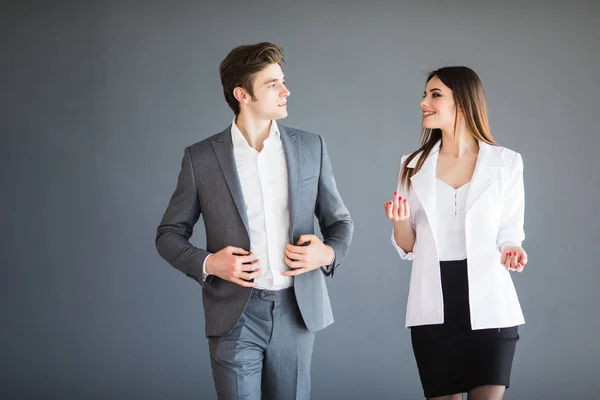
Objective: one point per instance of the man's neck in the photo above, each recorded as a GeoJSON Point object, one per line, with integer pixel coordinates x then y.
{"type": "Point", "coordinates": [255, 131]}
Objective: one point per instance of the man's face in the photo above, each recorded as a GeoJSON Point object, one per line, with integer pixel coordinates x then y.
{"type": "Point", "coordinates": [270, 95]}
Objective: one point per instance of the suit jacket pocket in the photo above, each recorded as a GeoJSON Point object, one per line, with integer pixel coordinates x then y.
{"type": "Point", "coordinates": [309, 180]}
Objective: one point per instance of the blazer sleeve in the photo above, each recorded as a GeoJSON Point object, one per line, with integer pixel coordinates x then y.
{"type": "Point", "coordinates": [334, 218]}
{"type": "Point", "coordinates": [402, 192]}
{"type": "Point", "coordinates": [177, 225]}
{"type": "Point", "coordinates": [513, 213]}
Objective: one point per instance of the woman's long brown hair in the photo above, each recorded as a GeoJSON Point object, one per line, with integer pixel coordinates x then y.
{"type": "Point", "coordinates": [469, 97]}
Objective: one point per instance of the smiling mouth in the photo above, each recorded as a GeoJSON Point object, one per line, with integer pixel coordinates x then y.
{"type": "Point", "coordinates": [428, 114]}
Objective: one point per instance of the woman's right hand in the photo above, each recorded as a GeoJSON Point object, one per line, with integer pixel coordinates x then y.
{"type": "Point", "coordinates": [397, 210]}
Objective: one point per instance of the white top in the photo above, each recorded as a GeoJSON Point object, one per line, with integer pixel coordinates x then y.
{"type": "Point", "coordinates": [264, 180]}
{"type": "Point", "coordinates": [451, 207]}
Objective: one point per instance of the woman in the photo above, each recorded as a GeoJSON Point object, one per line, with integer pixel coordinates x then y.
{"type": "Point", "coordinates": [458, 215]}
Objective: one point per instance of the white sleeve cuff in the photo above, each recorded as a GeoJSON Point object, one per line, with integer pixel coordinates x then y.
{"type": "Point", "coordinates": [204, 274]}
{"type": "Point", "coordinates": [513, 244]}
{"type": "Point", "coordinates": [403, 255]}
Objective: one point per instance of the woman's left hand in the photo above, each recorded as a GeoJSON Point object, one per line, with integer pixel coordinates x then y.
{"type": "Point", "coordinates": [514, 258]}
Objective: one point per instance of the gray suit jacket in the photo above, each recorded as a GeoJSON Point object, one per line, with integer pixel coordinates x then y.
{"type": "Point", "coordinates": [208, 185]}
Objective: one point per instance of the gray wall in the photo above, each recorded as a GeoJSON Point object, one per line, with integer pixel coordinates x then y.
{"type": "Point", "coordinates": [99, 100]}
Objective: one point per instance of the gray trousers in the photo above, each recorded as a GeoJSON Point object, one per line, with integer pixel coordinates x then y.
{"type": "Point", "coordinates": [268, 353]}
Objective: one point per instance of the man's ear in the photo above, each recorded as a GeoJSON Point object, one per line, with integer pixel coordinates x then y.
{"type": "Point", "coordinates": [241, 95]}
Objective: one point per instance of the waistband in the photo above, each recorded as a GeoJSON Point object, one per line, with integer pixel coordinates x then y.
{"type": "Point", "coordinates": [274, 295]}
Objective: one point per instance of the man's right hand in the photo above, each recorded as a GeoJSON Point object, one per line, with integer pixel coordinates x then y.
{"type": "Point", "coordinates": [234, 265]}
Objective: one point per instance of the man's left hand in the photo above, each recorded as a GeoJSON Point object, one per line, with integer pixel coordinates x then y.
{"type": "Point", "coordinates": [308, 257]}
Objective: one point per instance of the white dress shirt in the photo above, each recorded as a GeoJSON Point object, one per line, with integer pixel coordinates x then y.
{"type": "Point", "coordinates": [451, 212]}
{"type": "Point", "coordinates": [264, 180]}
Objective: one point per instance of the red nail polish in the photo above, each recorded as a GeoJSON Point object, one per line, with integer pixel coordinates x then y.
{"type": "Point", "coordinates": [400, 198]}
{"type": "Point", "coordinates": [389, 202]}
{"type": "Point", "coordinates": [395, 194]}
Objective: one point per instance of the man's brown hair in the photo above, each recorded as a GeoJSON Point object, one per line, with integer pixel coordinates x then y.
{"type": "Point", "coordinates": [240, 66]}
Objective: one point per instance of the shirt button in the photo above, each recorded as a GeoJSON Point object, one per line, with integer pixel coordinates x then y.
{"type": "Point", "coordinates": [263, 295]}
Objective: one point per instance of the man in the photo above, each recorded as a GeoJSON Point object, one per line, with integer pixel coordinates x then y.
{"type": "Point", "coordinates": [258, 186]}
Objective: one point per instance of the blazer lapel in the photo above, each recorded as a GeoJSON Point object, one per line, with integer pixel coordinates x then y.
{"type": "Point", "coordinates": [485, 174]}
{"type": "Point", "coordinates": [423, 183]}
{"type": "Point", "coordinates": [292, 149]}
{"type": "Point", "coordinates": [223, 147]}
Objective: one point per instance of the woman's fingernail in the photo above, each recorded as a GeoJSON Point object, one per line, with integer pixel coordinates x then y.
{"type": "Point", "coordinates": [400, 198]}
{"type": "Point", "coordinates": [395, 194]}
{"type": "Point", "coordinates": [405, 200]}
{"type": "Point", "coordinates": [389, 203]}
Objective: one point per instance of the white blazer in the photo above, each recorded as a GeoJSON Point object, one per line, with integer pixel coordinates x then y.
{"type": "Point", "coordinates": [495, 213]}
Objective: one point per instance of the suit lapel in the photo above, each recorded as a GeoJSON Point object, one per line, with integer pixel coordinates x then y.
{"type": "Point", "coordinates": [485, 174]}
{"type": "Point", "coordinates": [292, 148]}
{"type": "Point", "coordinates": [223, 147]}
{"type": "Point", "coordinates": [423, 183]}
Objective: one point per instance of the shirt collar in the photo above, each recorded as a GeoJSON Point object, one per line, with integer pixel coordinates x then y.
{"type": "Point", "coordinates": [239, 140]}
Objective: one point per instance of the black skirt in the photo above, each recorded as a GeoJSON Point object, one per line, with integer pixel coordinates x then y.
{"type": "Point", "coordinates": [453, 358]}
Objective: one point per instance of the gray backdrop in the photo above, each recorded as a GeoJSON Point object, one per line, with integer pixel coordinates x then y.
{"type": "Point", "coordinates": [99, 99]}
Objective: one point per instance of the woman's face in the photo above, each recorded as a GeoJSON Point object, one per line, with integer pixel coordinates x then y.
{"type": "Point", "coordinates": [437, 106]}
